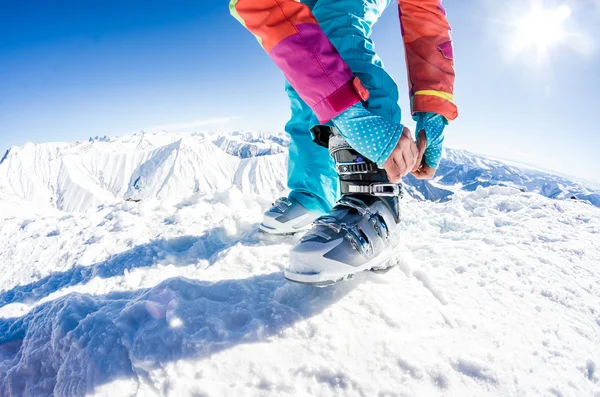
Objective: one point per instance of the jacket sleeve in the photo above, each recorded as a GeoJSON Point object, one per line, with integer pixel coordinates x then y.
{"type": "Point", "coordinates": [429, 57]}
{"type": "Point", "coordinates": [290, 34]}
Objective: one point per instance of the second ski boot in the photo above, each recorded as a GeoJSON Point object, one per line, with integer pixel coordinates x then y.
{"type": "Point", "coordinates": [287, 216]}
{"type": "Point", "coordinates": [361, 230]}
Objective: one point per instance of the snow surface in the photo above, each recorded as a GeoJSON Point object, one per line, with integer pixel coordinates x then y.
{"type": "Point", "coordinates": [496, 291]}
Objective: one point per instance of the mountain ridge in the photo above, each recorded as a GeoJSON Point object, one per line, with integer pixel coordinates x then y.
{"type": "Point", "coordinates": [78, 176]}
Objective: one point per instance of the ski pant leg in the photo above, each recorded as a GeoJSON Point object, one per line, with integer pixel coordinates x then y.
{"type": "Point", "coordinates": [348, 24]}
{"type": "Point", "coordinates": [311, 170]}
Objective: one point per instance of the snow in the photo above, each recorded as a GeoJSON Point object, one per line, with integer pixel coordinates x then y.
{"type": "Point", "coordinates": [496, 291]}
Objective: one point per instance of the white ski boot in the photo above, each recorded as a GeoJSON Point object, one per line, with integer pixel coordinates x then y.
{"type": "Point", "coordinates": [287, 216]}
{"type": "Point", "coordinates": [361, 230]}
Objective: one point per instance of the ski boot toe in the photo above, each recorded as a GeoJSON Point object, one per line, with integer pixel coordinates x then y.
{"type": "Point", "coordinates": [287, 216]}
{"type": "Point", "coordinates": [346, 242]}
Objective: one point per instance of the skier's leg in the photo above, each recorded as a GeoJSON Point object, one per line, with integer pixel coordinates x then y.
{"type": "Point", "coordinates": [312, 178]}
{"type": "Point", "coordinates": [311, 171]}
{"type": "Point", "coordinates": [311, 174]}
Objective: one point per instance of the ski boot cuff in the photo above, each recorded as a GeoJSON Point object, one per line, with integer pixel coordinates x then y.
{"type": "Point", "coordinates": [371, 135]}
{"type": "Point", "coordinates": [361, 177]}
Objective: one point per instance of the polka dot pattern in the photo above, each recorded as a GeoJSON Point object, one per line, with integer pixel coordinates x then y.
{"type": "Point", "coordinates": [372, 136]}
{"type": "Point", "coordinates": [433, 124]}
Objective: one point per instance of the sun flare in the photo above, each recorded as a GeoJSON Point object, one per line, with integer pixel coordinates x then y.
{"type": "Point", "coordinates": [535, 33]}
{"type": "Point", "coordinates": [541, 28]}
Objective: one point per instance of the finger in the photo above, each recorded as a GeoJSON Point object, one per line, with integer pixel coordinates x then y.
{"type": "Point", "coordinates": [419, 174]}
{"type": "Point", "coordinates": [425, 172]}
{"type": "Point", "coordinates": [394, 176]}
{"type": "Point", "coordinates": [392, 171]}
{"type": "Point", "coordinates": [409, 159]}
{"type": "Point", "coordinates": [415, 152]}
{"type": "Point", "coordinates": [430, 172]}
{"type": "Point", "coordinates": [401, 164]}
{"type": "Point", "coordinates": [407, 132]}
{"type": "Point", "coordinates": [421, 146]}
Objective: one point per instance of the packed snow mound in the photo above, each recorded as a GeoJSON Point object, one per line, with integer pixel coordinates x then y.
{"type": "Point", "coordinates": [496, 292]}
{"type": "Point", "coordinates": [76, 177]}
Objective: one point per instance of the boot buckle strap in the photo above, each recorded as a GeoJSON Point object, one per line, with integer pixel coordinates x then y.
{"type": "Point", "coordinates": [380, 227]}
{"type": "Point", "coordinates": [357, 168]}
{"type": "Point", "coordinates": [330, 222]}
{"type": "Point", "coordinates": [377, 189]}
{"type": "Point", "coordinates": [281, 205]}
{"type": "Point", "coordinates": [357, 238]}
{"type": "Point", "coordinates": [359, 241]}
{"type": "Point", "coordinates": [355, 203]}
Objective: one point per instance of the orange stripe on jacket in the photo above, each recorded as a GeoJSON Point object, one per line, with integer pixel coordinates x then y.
{"type": "Point", "coordinates": [429, 55]}
{"type": "Point", "coordinates": [273, 20]}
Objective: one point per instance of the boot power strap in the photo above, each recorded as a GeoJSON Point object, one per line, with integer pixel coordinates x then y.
{"type": "Point", "coordinates": [373, 189]}
{"type": "Point", "coordinates": [357, 168]}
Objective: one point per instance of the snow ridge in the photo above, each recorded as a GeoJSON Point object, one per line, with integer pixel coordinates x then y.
{"type": "Point", "coordinates": [5, 156]}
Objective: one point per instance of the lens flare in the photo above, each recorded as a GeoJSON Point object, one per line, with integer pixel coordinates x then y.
{"type": "Point", "coordinates": [536, 30]}
{"type": "Point", "coordinates": [541, 28]}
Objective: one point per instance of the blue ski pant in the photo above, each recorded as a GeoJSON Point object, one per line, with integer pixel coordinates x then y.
{"type": "Point", "coordinates": [312, 177]}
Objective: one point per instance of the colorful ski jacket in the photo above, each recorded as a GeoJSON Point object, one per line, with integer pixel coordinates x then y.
{"type": "Point", "coordinates": [290, 34]}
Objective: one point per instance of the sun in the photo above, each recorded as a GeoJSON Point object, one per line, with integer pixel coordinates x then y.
{"type": "Point", "coordinates": [543, 28]}
{"type": "Point", "coordinates": [534, 32]}
{"type": "Point", "coordinates": [540, 28]}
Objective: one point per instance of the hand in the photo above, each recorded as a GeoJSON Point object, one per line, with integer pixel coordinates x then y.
{"type": "Point", "coordinates": [403, 158]}
{"type": "Point", "coordinates": [421, 170]}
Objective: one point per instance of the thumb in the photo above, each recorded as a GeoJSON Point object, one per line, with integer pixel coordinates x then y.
{"type": "Point", "coordinates": [421, 146]}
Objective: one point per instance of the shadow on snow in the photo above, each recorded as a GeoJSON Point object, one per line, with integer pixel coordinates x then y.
{"type": "Point", "coordinates": [180, 251]}
{"type": "Point", "coordinates": [77, 342]}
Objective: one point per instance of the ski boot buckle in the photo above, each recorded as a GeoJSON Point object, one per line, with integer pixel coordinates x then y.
{"type": "Point", "coordinates": [376, 189]}
{"type": "Point", "coordinates": [385, 189]}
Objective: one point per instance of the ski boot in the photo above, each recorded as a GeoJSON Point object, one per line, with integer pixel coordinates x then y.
{"type": "Point", "coordinates": [287, 216]}
{"type": "Point", "coordinates": [361, 230]}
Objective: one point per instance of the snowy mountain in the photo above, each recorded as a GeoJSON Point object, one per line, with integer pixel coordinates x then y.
{"type": "Point", "coordinates": [132, 266]}
{"type": "Point", "coordinates": [81, 176]}
{"type": "Point", "coordinates": [471, 171]}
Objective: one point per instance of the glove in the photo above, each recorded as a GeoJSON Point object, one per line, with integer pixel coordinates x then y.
{"type": "Point", "coordinates": [372, 136]}
{"type": "Point", "coordinates": [433, 125]}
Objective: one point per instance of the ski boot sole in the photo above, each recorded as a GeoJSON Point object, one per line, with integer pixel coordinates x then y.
{"type": "Point", "coordinates": [378, 266]}
{"type": "Point", "coordinates": [274, 232]}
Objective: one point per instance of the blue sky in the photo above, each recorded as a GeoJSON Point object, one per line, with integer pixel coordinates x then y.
{"type": "Point", "coordinates": [71, 69]}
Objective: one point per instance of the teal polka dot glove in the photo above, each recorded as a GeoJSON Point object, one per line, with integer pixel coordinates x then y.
{"type": "Point", "coordinates": [372, 136]}
{"type": "Point", "coordinates": [433, 124]}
